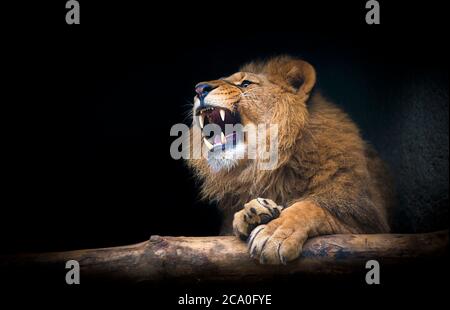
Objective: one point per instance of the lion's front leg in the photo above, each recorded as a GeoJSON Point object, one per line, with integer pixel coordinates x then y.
{"type": "Point", "coordinates": [282, 239]}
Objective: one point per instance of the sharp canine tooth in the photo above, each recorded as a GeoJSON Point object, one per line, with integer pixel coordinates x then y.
{"type": "Point", "coordinates": [208, 144]}
{"type": "Point", "coordinates": [222, 114]}
{"type": "Point", "coordinates": [222, 137]}
{"type": "Point", "coordinates": [201, 120]}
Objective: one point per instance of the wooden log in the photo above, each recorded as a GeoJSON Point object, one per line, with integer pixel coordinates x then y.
{"type": "Point", "coordinates": [226, 258]}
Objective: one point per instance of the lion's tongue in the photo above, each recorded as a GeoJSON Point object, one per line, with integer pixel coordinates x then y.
{"type": "Point", "coordinates": [217, 139]}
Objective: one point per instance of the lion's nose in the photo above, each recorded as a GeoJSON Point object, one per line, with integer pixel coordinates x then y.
{"type": "Point", "coordinates": [202, 89]}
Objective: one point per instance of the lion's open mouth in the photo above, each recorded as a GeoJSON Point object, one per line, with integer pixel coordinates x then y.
{"type": "Point", "coordinates": [225, 134]}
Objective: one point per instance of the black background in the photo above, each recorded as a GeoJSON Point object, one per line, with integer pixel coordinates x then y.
{"type": "Point", "coordinates": [87, 160]}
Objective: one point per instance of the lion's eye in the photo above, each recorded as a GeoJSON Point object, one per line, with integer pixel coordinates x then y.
{"type": "Point", "coordinates": [245, 83]}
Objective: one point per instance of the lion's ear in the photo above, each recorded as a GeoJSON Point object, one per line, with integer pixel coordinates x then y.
{"type": "Point", "coordinates": [302, 76]}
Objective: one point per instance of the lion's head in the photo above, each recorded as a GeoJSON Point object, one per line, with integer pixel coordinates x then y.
{"type": "Point", "coordinates": [267, 92]}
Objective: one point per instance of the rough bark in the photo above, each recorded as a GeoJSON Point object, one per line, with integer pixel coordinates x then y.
{"type": "Point", "coordinates": [226, 258]}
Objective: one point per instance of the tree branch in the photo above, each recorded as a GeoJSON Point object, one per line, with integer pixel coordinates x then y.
{"type": "Point", "coordinates": [226, 258]}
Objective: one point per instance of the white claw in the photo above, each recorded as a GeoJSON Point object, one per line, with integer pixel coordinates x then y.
{"type": "Point", "coordinates": [208, 144]}
{"type": "Point", "coordinates": [222, 137]}
{"type": "Point", "coordinates": [222, 114]}
{"type": "Point", "coordinates": [201, 120]}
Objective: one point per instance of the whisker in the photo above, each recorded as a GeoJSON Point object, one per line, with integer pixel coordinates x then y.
{"type": "Point", "coordinates": [188, 114]}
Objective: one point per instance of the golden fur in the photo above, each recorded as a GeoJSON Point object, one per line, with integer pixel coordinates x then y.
{"type": "Point", "coordinates": [328, 179]}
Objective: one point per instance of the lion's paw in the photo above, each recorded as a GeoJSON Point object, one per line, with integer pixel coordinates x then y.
{"type": "Point", "coordinates": [256, 212]}
{"type": "Point", "coordinates": [278, 242]}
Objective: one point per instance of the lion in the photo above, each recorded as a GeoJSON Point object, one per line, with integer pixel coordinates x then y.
{"type": "Point", "coordinates": [327, 179]}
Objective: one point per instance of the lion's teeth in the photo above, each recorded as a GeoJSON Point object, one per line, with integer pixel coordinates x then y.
{"type": "Point", "coordinates": [222, 115]}
{"type": "Point", "coordinates": [201, 120]}
{"type": "Point", "coordinates": [222, 137]}
{"type": "Point", "coordinates": [207, 143]}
